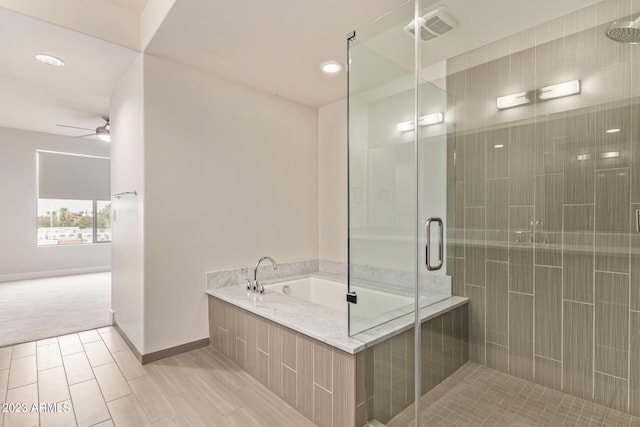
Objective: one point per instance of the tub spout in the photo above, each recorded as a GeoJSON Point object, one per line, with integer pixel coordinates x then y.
{"type": "Point", "coordinates": [257, 286]}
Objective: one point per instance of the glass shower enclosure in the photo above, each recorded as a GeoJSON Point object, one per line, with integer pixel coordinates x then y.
{"type": "Point", "coordinates": [502, 166]}
{"type": "Point", "coordinates": [393, 163]}
{"type": "Point", "coordinates": [402, 191]}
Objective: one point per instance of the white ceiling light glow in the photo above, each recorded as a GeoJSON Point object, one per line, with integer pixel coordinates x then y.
{"type": "Point", "coordinates": [509, 101]}
{"type": "Point", "coordinates": [614, 130]}
{"type": "Point", "coordinates": [560, 90]}
{"type": "Point", "coordinates": [49, 60]}
{"type": "Point", "coordinates": [331, 67]}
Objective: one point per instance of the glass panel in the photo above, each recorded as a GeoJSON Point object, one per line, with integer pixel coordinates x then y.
{"type": "Point", "coordinates": [382, 173]}
{"type": "Point", "coordinates": [436, 193]}
{"type": "Point", "coordinates": [64, 222]}
{"type": "Point", "coordinates": [547, 168]}
{"type": "Point", "coordinates": [103, 224]}
{"type": "Point", "coordinates": [541, 168]}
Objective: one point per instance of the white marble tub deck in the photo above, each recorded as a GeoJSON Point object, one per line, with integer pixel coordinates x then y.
{"type": "Point", "coordinates": [319, 322]}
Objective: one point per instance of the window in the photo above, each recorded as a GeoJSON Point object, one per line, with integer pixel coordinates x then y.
{"type": "Point", "coordinates": [69, 222]}
{"type": "Point", "coordinates": [73, 199]}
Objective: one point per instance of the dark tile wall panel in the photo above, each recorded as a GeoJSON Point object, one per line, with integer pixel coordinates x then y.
{"type": "Point", "coordinates": [559, 195]}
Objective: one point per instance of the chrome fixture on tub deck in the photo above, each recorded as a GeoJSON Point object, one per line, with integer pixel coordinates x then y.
{"type": "Point", "coordinates": [257, 286]}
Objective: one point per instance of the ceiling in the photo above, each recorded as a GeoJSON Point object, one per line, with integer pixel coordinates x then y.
{"type": "Point", "coordinates": [278, 46]}
{"type": "Point", "coordinates": [275, 46]}
{"type": "Point", "coordinates": [37, 96]}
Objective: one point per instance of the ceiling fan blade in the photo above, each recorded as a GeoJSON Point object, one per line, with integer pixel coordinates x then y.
{"type": "Point", "coordinates": [73, 127]}
{"type": "Point", "coordinates": [83, 136]}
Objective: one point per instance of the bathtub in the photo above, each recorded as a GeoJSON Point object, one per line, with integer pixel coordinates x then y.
{"type": "Point", "coordinates": [315, 305]}
{"type": "Point", "coordinates": [375, 306]}
{"type": "Point", "coordinates": [299, 317]}
{"type": "Point", "coordinates": [332, 294]}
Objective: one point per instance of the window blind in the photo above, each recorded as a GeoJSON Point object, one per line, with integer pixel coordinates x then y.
{"type": "Point", "coordinates": [72, 176]}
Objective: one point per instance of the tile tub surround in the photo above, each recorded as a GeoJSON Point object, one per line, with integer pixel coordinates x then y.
{"type": "Point", "coordinates": [303, 316]}
{"type": "Point", "coordinates": [235, 276]}
{"type": "Point", "coordinates": [389, 278]}
{"type": "Point", "coordinates": [332, 329]}
{"type": "Point", "coordinates": [547, 250]}
{"type": "Point", "coordinates": [327, 385]}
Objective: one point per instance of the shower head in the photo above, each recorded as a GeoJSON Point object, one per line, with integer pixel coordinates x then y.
{"type": "Point", "coordinates": [625, 31]}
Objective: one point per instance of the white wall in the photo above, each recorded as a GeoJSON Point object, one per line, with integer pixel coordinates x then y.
{"type": "Point", "coordinates": [127, 174]}
{"type": "Point", "coordinates": [151, 18]}
{"type": "Point", "coordinates": [332, 181]}
{"type": "Point", "coordinates": [230, 175]}
{"type": "Point", "coordinates": [20, 257]}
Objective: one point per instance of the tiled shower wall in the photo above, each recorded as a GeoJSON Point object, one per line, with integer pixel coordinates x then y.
{"type": "Point", "coordinates": [546, 245]}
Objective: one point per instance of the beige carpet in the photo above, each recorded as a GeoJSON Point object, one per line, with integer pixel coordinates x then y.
{"type": "Point", "coordinates": [43, 308]}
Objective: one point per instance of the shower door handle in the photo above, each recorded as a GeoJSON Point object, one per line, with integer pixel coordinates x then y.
{"type": "Point", "coordinates": [427, 238]}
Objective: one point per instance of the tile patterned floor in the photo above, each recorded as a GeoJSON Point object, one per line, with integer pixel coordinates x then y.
{"type": "Point", "coordinates": [95, 376]}
{"type": "Point", "coordinates": [478, 396]}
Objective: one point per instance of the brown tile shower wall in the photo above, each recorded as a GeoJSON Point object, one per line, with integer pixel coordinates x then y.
{"type": "Point", "coordinates": [328, 386]}
{"type": "Point", "coordinates": [546, 242]}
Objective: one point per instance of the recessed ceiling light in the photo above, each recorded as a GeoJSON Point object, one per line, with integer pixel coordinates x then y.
{"type": "Point", "coordinates": [49, 60]}
{"type": "Point", "coordinates": [331, 67]}
{"type": "Point", "coordinates": [614, 130]}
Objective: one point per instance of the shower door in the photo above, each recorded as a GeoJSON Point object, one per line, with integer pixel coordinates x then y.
{"type": "Point", "coordinates": [401, 187]}
{"type": "Point", "coordinates": [398, 177]}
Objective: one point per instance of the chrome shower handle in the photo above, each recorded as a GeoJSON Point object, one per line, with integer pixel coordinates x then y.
{"type": "Point", "coordinates": [427, 237]}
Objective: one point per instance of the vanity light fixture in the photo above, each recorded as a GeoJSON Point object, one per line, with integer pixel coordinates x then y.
{"type": "Point", "coordinates": [559, 90]}
{"type": "Point", "coordinates": [509, 101]}
{"type": "Point", "coordinates": [614, 130]}
{"type": "Point", "coordinates": [431, 119]}
{"type": "Point", "coordinates": [331, 67]}
{"type": "Point", "coordinates": [49, 60]}
{"type": "Point", "coordinates": [406, 126]}
{"type": "Point", "coordinates": [610, 155]}
{"type": "Point", "coordinates": [428, 120]}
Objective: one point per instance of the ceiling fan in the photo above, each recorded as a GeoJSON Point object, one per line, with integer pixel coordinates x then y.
{"type": "Point", "coordinates": [102, 132]}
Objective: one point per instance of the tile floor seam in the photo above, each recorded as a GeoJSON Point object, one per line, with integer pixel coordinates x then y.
{"type": "Point", "coordinates": [66, 376]}
{"type": "Point", "coordinates": [95, 378]}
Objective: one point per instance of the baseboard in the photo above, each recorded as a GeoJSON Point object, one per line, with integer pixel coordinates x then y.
{"type": "Point", "coordinates": [53, 273]}
{"type": "Point", "coordinates": [160, 354]}
{"type": "Point", "coordinates": [126, 339]}
{"type": "Point", "coordinates": [168, 352]}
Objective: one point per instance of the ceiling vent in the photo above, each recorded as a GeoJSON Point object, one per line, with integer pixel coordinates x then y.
{"type": "Point", "coordinates": [434, 24]}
